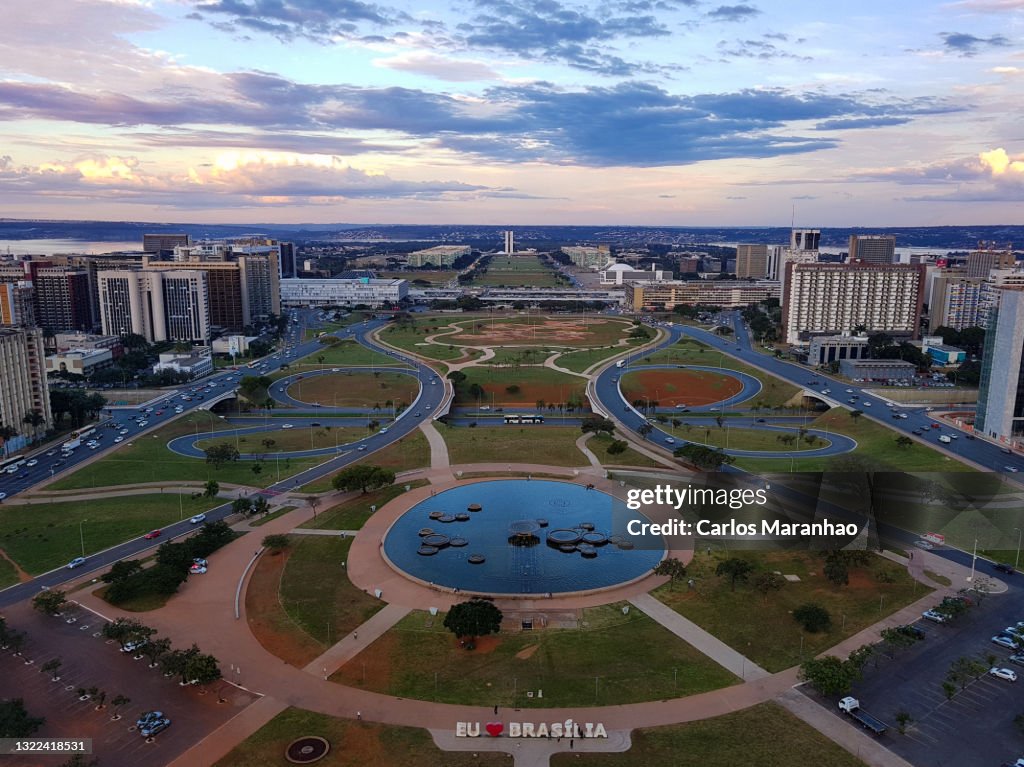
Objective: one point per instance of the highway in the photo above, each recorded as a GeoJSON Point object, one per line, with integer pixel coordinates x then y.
{"type": "Point", "coordinates": [427, 402]}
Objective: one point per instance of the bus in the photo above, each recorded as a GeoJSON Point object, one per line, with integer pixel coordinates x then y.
{"type": "Point", "coordinates": [12, 464]}
{"type": "Point", "coordinates": [76, 438]}
{"type": "Point", "coordinates": [516, 418]}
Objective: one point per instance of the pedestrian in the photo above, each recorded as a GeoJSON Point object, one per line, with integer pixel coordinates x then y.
{"type": "Point", "coordinates": [570, 744]}
{"type": "Point", "coordinates": [359, 715]}
{"type": "Point", "coordinates": [355, 635]}
{"type": "Point", "coordinates": [495, 710]}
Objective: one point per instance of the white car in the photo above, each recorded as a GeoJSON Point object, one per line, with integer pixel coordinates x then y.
{"type": "Point", "coordinates": [935, 616]}
{"type": "Point", "coordinates": [1012, 469]}
{"type": "Point", "coordinates": [122, 432]}
{"type": "Point", "coordinates": [288, 426]}
{"type": "Point", "coordinates": [866, 404]}
{"type": "Point", "coordinates": [2, 495]}
{"type": "Point", "coordinates": [669, 441]}
{"type": "Point", "coordinates": [1004, 641]}
{"type": "Point", "coordinates": [361, 448]}
{"type": "Point", "coordinates": [197, 519]}
{"type": "Point", "coordinates": [76, 562]}
{"type": "Point", "coordinates": [31, 462]}
{"type": "Point", "coordinates": [118, 438]}
{"type": "Point", "coordinates": [197, 570]}
{"type": "Point", "coordinates": [1003, 673]}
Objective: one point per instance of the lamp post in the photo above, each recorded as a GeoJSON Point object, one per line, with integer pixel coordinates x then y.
{"type": "Point", "coordinates": [81, 534]}
{"type": "Point", "coordinates": [1016, 560]}
{"type": "Point", "coordinates": [974, 561]}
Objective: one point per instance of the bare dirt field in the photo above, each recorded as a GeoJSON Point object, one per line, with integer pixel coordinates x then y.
{"type": "Point", "coordinates": [672, 387]}
{"type": "Point", "coordinates": [569, 331]}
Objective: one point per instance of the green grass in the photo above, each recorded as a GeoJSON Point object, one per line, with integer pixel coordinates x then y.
{"type": "Point", "coordinates": [345, 353]}
{"type": "Point", "coordinates": [598, 445]}
{"type": "Point", "coordinates": [631, 657]}
{"type": "Point", "coordinates": [271, 516]}
{"type": "Point", "coordinates": [764, 631]}
{"type": "Point", "coordinates": [940, 579]}
{"type": "Point", "coordinates": [765, 735]}
{"type": "Point", "coordinates": [410, 452]}
{"type": "Point", "coordinates": [583, 359]}
{"type": "Point", "coordinates": [774, 392]}
{"type": "Point", "coordinates": [143, 603]}
{"type": "Point", "coordinates": [876, 442]}
{"type": "Point", "coordinates": [42, 536]}
{"type": "Point", "coordinates": [512, 443]}
{"type": "Point", "coordinates": [353, 514]}
{"type": "Point", "coordinates": [288, 440]}
{"type": "Point", "coordinates": [147, 459]}
{"type": "Point", "coordinates": [355, 389]}
{"type": "Point", "coordinates": [525, 271]}
{"type": "Point", "coordinates": [8, 575]}
{"type": "Point", "coordinates": [353, 744]}
{"type": "Point", "coordinates": [316, 592]}
{"type": "Point", "coordinates": [518, 355]}
{"type": "Point", "coordinates": [410, 337]}
{"type": "Point", "coordinates": [738, 438]}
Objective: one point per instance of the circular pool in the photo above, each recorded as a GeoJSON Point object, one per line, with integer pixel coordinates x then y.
{"type": "Point", "coordinates": [583, 530]}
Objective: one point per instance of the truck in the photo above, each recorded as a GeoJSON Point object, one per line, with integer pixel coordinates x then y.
{"type": "Point", "coordinates": [851, 707]}
{"type": "Point", "coordinates": [945, 438]}
{"type": "Point", "coordinates": [620, 363]}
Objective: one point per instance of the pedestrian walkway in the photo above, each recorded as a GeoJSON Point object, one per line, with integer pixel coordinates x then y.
{"type": "Point", "coordinates": [581, 445]}
{"type": "Point", "coordinates": [350, 646]}
{"type": "Point", "coordinates": [699, 639]}
{"type": "Point", "coordinates": [330, 533]}
{"type": "Point", "coordinates": [534, 752]}
{"type": "Point", "coordinates": [438, 447]}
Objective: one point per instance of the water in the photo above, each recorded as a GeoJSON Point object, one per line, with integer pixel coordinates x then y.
{"type": "Point", "coordinates": [53, 247]}
{"type": "Point", "coordinates": [509, 569]}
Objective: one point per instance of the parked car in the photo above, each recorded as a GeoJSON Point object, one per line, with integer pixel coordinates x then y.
{"type": "Point", "coordinates": [148, 717]}
{"type": "Point", "coordinates": [131, 647]}
{"type": "Point", "coordinates": [1004, 641]}
{"type": "Point", "coordinates": [1003, 673]}
{"type": "Point", "coordinates": [911, 630]}
{"type": "Point", "coordinates": [934, 615]}
{"type": "Point", "coordinates": [1017, 658]}
{"type": "Point", "coordinates": [154, 727]}
{"type": "Point", "coordinates": [197, 570]}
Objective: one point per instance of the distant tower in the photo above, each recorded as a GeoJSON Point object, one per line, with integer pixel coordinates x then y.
{"type": "Point", "coordinates": [510, 243]}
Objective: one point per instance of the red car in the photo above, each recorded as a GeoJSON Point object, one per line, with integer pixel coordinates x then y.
{"type": "Point", "coordinates": [153, 534]}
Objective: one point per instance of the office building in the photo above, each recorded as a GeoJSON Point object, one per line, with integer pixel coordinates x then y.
{"type": "Point", "coordinates": [334, 292]}
{"type": "Point", "coordinates": [730, 294]}
{"type": "Point", "coordinates": [441, 255]}
{"type": "Point", "coordinates": [24, 389]}
{"type": "Point", "coordinates": [830, 299]}
{"type": "Point", "coordinates": [83, 362]}
{"type": "Point", "coordinates": [164, 244]}
{"type": "Point", "coordinates": [982, 261]}
{"type": "Point", "coordinates": [17, 304]}
{"type": "Point", "coordinates": [1000, 413]}
{"type": "Point", "coordinates": [619, 274]}
{"type": "Point", "coordinates": [804, 240]}
{"type": "Point", "coordinates": [689, 265]}
{"type": "Point", "coordinates": [752, 261]}
{"type": "Point", "coordinates": [825, 349]}
{"type": "Point", "coordinates": [165, 305]}
{"type": "Point", "coordinates": [67, 341]}
{"type": "Point", "coordinates": [194, 365]}
{"type": "Point", "coordinates": [510, 242]}
{"type": "Point", "coordinates": [872, 248]}
{"type": "Point", "coordinates": [61, 300]}
{"type": "Point", "coordinates": [877, 370]}
{"type": "Point", "coordinates": [588, 257]}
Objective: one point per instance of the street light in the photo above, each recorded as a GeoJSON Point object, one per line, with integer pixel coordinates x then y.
{"type": "Point", "coordinates": [974, 561]}
{"type": "Point", "coordinates": [1017, 560]}
{"type": "Point", "coordinates": [81, 534]}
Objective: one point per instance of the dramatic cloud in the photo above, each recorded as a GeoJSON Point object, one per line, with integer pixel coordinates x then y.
{"type": "Point", "coordinates": [969, 45]}
{"type": "Point", "coordinates": [991, 176]}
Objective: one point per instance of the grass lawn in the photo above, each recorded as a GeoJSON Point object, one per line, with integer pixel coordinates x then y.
{"type": "Point", "coordinates": [441, 277]}
{"type": "Point", "coordinates": [554, 445]}
{"type": "Point", "coordinates": [535, 383]}
{"type": "Point", "coordinates": [8, 574]}
{"type": "Point", "coordinates": [707, 432]}
{"type": "Point", "coordinates": [514, 356]}
{"type": "Point", "coordinates": [583, 359]}
{"type": "Point", "coordinates": [599, 443]}
{"type": "Point", "coordinates": [353, 744]}
{"type": "Point", "coordinates": [632, 657]}
{"type": "Point", "coordinates": [764, 631]}
{"type": "Point", "coordinates": [876, 442]}
{"type": "Point", "coordinates": [774, 392]}
{"type": "Point", "coordinates": [766, 735]}
{"type": "Point", "coordinates": [316, 592]}
{"type": "Point", "coordinates": [524, 271]}
{"type": "Point", "coordinates": [410, 452]}
{"type": "Point", "coordinates": [344, 353]}
{"type": "Point", "coordinates": [271, 516]}
{"type": "Point", "coordinates": [355, 390]}
{"type": "Point", "coordinates": [352, 515]}
{"type": "Point", "coordinates": [147, 459]}
{"type": "Point", "coordinates": [288, 440]}
{"type": "Point", "coordinates": [140, 604]}
{"type": "Point", "coordinates": [42, 536]}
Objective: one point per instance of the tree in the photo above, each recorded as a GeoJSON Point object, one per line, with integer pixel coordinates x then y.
{"type": "Point", "coordinates": [9, 432]}
{"type": "Point", "coordinates": [596, 424]}
{"type": "Point", "coordinates": [671, 567]}
{"type": "Point", "coordinates": [202, 669]}
{"type": "Point", "coordinates": [117, 702]}
{"type": "Point", "coordinates": [15, 721]}
{"type": "Point", "coordinates": [703, 457]}
{"type": "Point", "coordinates": [156, 649]}
{"type": "Point", "coordinates": [736, 569]}
{"type": "Point", "coordinates": [52, 667]}
{"type": "Point", "coordinates": [260, 505]}
{"type": "Point", "coordinates": [897, 638]}
{"type": "Point", "coordinates": [813, 617]}
{"type": "Point", "coordinates": [855, 414]}
{"type": "Point", "coordinates": [35, 419]}
{"type": "Point", "coordinates": [617, 446]}
{"type": "Point", "coordinates": [765, 583]}
{"type": "Point", "coordinates": [828, 675]}
{"type": "Point", "coordinates": [904, 441]}
{"type": "Point", "coordinates": [276, 543]}
{"type": "Point", "coordinates": [475, 618]}
{"type": "Point", "coordinates": [903, 720]}
{"type": "Point", "coordinates": [241, 506]}
{"type": "Point", "coordinates": [121, 570]}
{"type": "Point", "coordinates": [176, 663]}
{"type": "Point", "coordinates": [313, 501]}
{"type": "Point", "coordinates": [836, 569]}
{"type": "Point", "coordinates": [125, 630]}
{"type": "Point", "coordinates": [50, 602]}
{"type": "Point", "coordinates": [220, 454]}
{"type": "Point", "coordinates": [211, 488]}
{"type": "Point", "coordinates": [644, 429]}
{"type": "Point", "coordinates": [363, 478]}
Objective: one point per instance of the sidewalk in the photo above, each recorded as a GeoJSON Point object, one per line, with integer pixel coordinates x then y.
{"type": "Point", "coordinates": [534, 752]}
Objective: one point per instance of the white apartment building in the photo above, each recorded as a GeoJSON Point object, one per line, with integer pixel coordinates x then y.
{"type": "Point", "coordinates": [440, 255]}
{"type": "Point", "coordinates": [23, 387]}
{"type": "Point", "coordinates": [332, 292]}
{"type": "Point", "coordinates": [164, 305]}
{"type": "Point", "coordinates": [1000, 414]}
{"type": "Point", "coordinates": [831, 299]}
{"type": "Point", "coordinates": [732, 294]}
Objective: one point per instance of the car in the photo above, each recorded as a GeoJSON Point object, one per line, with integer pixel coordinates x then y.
{"type": "Point", "coordinates": [156, 726]}
{"type": "Point", "coordinates": [148, 717]}
{"type": "Point", "coordinates": [60, 462]}
{"type": "Point", "coordinates": [669, 441]}
{"type": "Point", "coordinates": [143, 424]}
{"type": "Point", "coordinates": [288, 426]}
{"type": "Point", "coordinates": [153, 534]}
{"type": "Point", "coordinates": [200, 561]}
{"type": "Point", "coordinates": [1017, 658]}
{"type": "Point", "coordinates": [2, 495]}
{"type": "Point", "coordinates": [384, 430]}
{"type": "Point", "coordinates": [361, 448]}
{"type": "Point", "coordinates": [866, 404]}
{"type": "Point", "coordinates": [1013, 631]}
{"type": "Point", "coordinates": [159, 412]}
{"type": "Point", "coordinates": [197, 519]}
{"type": "Point", "coordinates": [430, 407]}
{"type": "Point", "coordinates": [134, 645]}
{"type": "Point", "coordinates": [1004, 568]}
{"type": "Point", "coordinates": [122, 432]}
{"type": "Point", "coordinates": [917, 432]}
{"type": "Point", "coordinates": [911, 630]}
{"type": "Point", "coordinates": [1003, 673]}
{"type": "Point", "coordinates": [335, 370]}
{"type": "Point", "coordinates": [51, 453]}
{"type": "Point", "coordinates": [31, 462]}
{"type": "Point", "coordinates": [1004, 641]}
{"type": "Point", "coordinates": [417, 415]}
{"type": "Point", "coordinates": [904, 415]}
{"type": "Point", "coordinates": [849, 391]}
{"type": "Point", "coordinates": [76, 562]}
{"type": "Point", "coordinates": [1011, 469]}
{"type": "Point", "coordinates": [197, 570]}
{"type": "Point", "coordinates": [826, 391]}
{"type": "Point", "coordinates": [934, 615]}
{"type": "Point", "coordinates": [118, 438]}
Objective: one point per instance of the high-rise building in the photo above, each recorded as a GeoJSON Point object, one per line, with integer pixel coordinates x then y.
{"type": "Point", "coordinates": [1000, 413]}
{"type": "Point", "coordinates": [956, 301]}
{"type": "Point", "coordinates": [164, 243]}
{"type": "Point", "coordinates": [804, 239]}
{"type": "Point", "coordinates": [510, 242]}
{"type": "Point", "coordinates": [17, 304]}
{"type": "Point", "coordinates": [640, 296]}
{"type": "Point", "coordinates": [873, 248]}
{"type": "Point", "coordinates": [169, 305]}
{"type": "Point", "coordinates": [587, 256]}
{"type": "Point", "coordinates": [752, 261]}
{"type": "Point", "coordinates": [830, 299]}
{"type": "Point", "coordinates": [440, 255]}
{"type": "Point", "coordinates": [23, 373]}
{"type": "Point", "coordinates": [63, 300]}
{"type": "Point", "coordinates": [982, 261]}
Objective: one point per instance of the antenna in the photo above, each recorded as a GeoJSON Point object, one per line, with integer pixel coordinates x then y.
{"type": "Point", "coordinates": [792, 219]}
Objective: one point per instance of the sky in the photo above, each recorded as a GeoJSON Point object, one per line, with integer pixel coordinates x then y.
{"type": "Point", "coordinates": [505, 112]}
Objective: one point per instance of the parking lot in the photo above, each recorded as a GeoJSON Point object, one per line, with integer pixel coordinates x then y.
{"type": "Point", "coordinates": [974, 728]}
{"type": "Point", "coordinates": [89, 660]}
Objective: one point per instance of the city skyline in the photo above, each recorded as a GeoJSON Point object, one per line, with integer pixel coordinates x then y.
{"type": "Point", "coordinates": [639, 112]}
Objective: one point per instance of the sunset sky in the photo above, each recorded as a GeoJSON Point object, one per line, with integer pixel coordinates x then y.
{"type": "Point", "coordinates": [664, 112]}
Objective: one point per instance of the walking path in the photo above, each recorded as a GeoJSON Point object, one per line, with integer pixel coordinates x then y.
{"type": "Point", "coordinates": [438, 447]}
{"type": "Point", "coordinates": [533, 752]}
{"type": "Point", "coordinates": [353, 644]}
{"type": "Point", "coordinates": [699, 639]}
{"type": "Point", "coordinates": [113, 491]}
{"type": "Point", "coordinates": [581, 445]}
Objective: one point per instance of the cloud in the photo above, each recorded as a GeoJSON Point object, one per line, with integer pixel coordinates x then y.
{"type": "Point", "coordinates": [990, 176]}
{"type": "Point", "coordinates": [968, 45]}
{"type": "Point", "coordinates": [318, 20]}
{"type": "Point", "coordinates": [986, 6]}
{"type": "Point", "coordinates": [439, 67]}
{"type": "Point", "coordinates": [861, 122]}
{"type": "Point", "coordinates": [764, 49]}
{"type": "Point", "coordinates": [733, 13]}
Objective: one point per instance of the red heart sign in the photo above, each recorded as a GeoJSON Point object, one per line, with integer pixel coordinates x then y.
{"type": "Point", "coordinates": [494, 729]}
